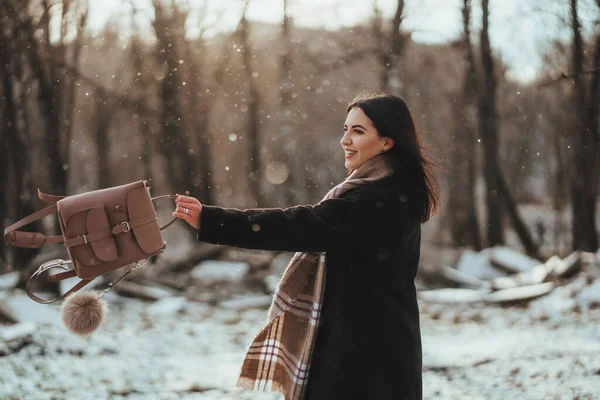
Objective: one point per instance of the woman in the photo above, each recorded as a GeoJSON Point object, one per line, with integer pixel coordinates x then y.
{"type": "Point", "coordinates": [346, 306]}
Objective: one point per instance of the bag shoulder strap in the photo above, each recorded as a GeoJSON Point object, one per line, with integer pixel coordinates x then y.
{"type": "Point", "coordinates": [166, 196]}
{"type": "Point", "coordinates": [75, 288]}
{"type": "Point", "coordinates": [58, 263]}
{"type": "Point", "coordinates": [69, 274]}
{"type": "Point", "coordinates": [31, 240]}
{"type": "Point", "coordinates": [49, 198]}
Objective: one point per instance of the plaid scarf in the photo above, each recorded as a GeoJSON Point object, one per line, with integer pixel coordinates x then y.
{"type": "Point", "coordinates": [279, 357]}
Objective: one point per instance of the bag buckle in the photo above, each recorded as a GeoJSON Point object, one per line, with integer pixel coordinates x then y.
{"type": "Point", "coordinates": [51, 264]}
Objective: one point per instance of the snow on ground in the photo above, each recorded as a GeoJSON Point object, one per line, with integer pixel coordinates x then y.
{"type": "Point", "coordinates": [194, 354]}
{"type": "Point", "coordinates": [471, 351]}
{"type": "Point", "coordinates": [483, 352]}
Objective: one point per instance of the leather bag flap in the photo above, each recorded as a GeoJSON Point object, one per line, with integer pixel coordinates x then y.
{"type": "Point", "coordinates": [85, 201]}
{"type": "Point", "coordinates": [86, 222]}
{"type": "Point", "coordinates": [97, 221]}
{"type": "Point", "coordinates": [139, 205]}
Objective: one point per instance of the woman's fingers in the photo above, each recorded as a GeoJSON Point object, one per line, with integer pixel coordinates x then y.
{"type": "Point", "coordinates": [185, 210]}
{"type": "Point", "coordinates": [187, 199]}
{"type": "Point", "coordinates": [192, 217]}
{"type": "Point", "coordinates": [193, 220]}
{"type": "Point", "coordinates": [193, 208]}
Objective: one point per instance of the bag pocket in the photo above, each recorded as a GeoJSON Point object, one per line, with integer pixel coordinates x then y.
{"type": "Point", "coordinates": [140, 206]}
{"type": "Point", "coordinates": [87, 222]}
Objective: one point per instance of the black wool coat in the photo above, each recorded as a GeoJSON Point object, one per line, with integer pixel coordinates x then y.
{"type": "Point", "coordinates": [369, 342]}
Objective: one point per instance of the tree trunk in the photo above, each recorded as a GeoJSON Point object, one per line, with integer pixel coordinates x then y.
{"type": "Point", "coordinates": [531, 248]}
{"type": "Point", "coordinates": [489, 135]}
{"type": "Point", "coordinates": [4, 143]}
{"type": "Point", "coordinates": [200, 111]}
{"type": "Point", "coordinates": [173, 143]}
{"type": "Point", "coordinates": [560, 188]}
{"type": "Point", "coordinates": [205, 106]}
{"type": "Point", "coordinates": [285, 143]}
{"type": "Point", "coordinates": [460, 199]}
{"type": "Point", "coordinates": [397, 43]}
{"type": "Point", "coordinates": [381, 52]}
{"type": "Point", "coordinates": [584, 147]}
{"type": "Point", "coordinates": [71, 82]}
{"type": "Point", "coordinates": [43, 70]}
{"type": "Point", "coordinates": [465, 227]}
{"type": "Point", "coordinates": [103, 118]}
{"type": "Point", "coordinates": [253, 122]}
{"type": "Point", "coordinates": [140, 91]}
{"type": "Point", "coordinates": [17, 140]}
{"type": "Point", "coordinates": [390, 48]}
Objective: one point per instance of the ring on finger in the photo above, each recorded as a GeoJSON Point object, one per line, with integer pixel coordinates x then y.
{"type": "Point", "coordinates": [186, 211]}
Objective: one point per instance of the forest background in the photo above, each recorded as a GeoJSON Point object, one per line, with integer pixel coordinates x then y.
{"type": "Point", "coordinates": [251, 116]}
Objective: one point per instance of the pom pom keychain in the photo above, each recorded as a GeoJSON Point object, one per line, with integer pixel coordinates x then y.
{"type": "Point", "coordinates": [83, 312]}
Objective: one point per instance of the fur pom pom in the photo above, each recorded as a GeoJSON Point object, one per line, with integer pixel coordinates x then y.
{"type": "Point", "coordinates": [82, 312]}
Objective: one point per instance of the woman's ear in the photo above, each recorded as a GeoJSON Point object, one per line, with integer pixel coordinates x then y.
{"type": "Point", "coordinates": [387, 144]}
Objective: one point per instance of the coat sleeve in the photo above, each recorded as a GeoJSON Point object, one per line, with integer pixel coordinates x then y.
{"type": "Point", "coordinates": [357, 218]}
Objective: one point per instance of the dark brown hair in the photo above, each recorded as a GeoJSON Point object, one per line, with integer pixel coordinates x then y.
{"type": "Point", "coordinates": [391, 117]}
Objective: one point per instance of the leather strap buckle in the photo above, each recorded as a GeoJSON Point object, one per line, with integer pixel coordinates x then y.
{"type": "Point", "coordinates": [51, 264]}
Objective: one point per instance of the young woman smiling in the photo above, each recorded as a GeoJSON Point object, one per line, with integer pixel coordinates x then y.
{"type": "Point", "coordinates": [344, 323]}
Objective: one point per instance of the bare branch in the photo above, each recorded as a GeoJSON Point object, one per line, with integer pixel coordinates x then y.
{"type": "Point", "coordinates": [564, 76]}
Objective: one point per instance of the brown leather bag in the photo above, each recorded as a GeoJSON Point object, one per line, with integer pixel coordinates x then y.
{"type": "Point", "coordinates": [103, 230]}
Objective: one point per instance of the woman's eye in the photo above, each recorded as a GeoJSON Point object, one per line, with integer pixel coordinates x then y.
{"type": "Point", "coordinates": [358, 131]}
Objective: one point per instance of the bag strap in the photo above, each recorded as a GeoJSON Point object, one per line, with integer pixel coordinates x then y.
{"type": "Point", "coordinates": [166, 196]}
{"type": "Point", "coordinates": [63, 275]}
{"type": "Point", "coordinates": [31, 240]}
{"type": "Point", "coordinates": [49, 198]}
{"type": "Point", "coordinates": [71, 273]}
{"type": "Point", "coordinates": [75, 288]}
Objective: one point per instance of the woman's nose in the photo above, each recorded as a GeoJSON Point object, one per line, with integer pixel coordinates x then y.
{"type": "Point", "coordinates": [345, 140]}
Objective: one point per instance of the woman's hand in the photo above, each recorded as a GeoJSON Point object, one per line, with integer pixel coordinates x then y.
{"type": "Point", "coordinates": [188, 209]}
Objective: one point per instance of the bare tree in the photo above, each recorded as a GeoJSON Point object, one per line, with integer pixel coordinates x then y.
{"type": "Point", "coordinates": [287, 163]}
{"type": "Point", "coordinates": [465, 227]}
{"type": "Point", "coordinates": [585, 141]}
{"type": "Point", "coordinates": [200, 106]}
{"type": "Point", "coordinates": [103, 115]}
{"type": "Point", "coordinates": [140, 91]}
{"type": "Point", "coordinates": [55, 94]}
{"type": "Point", "coordinates": [390, 47]}
{"type": "Point", "coordinates": [80, 15]}
{"type": "Point", "coordinates": [253, 122]}
{"type": "Point", "coordinates": [488, 127]}
{"type": "Point", "coordinates": [4, 109]}
{"type": "Point", "coordinates": [497, 190]}
{"type": "Point", "coordinates": [19, 200]}
{"type": "Point", "coordinates": [203, 93]}
{"type": "Point", "coordinates": [173, 142]}
{"type": "Point", "coordinates": [559, 189]}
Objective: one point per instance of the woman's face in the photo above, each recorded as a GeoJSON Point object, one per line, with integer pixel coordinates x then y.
{"type": "Point", "coordinates": [361, 141]}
